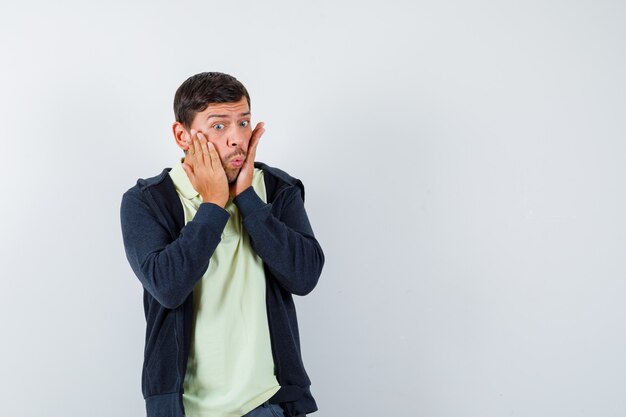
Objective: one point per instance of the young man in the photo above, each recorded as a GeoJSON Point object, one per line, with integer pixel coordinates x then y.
{"type": "Point", "coordinates": [220, 243]}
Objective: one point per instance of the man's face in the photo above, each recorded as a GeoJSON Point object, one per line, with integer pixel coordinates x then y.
{"type": "Point", "coordinates": [227, 126]}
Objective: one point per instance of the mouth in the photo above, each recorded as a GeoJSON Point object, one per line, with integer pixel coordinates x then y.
{"type": "Point", "coordinates": [237, 162]}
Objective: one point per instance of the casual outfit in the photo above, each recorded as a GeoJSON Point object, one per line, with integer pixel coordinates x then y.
{"type": "Point", "coordinates": [221, 330]}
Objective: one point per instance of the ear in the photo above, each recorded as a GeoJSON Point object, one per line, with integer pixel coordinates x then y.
{"type": "Point", "coordinates": [180, 135]}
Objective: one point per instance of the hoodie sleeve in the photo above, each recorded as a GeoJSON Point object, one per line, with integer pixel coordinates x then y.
{"type": "Point", "coordinates": [169, 269]}
{"type": "Point", "coordinates": [281, 235]}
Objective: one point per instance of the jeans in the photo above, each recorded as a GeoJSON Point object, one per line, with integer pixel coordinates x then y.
{"type": "Point", "coordinates": [266, 410]}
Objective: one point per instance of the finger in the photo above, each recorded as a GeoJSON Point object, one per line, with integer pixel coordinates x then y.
{"type": "Point", "coordinates": [192, 145]}
{"type": "Point", "coordinates": [254, 142]}
{"type": "Point", "coordinates": [257, 136]}
{"type": "Point", "coordinates": [258, 127]}
{"type": "Point", "coordinates": [215, 158]}
{"type": "Point", "coordinates": [203, 144]}
{"type": "Point", "coordinates": [199, 142]}
{"type": "Point", "coordinates": [257, 133]}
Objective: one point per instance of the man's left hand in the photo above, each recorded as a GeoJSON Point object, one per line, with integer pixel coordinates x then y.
{"type": "Point", "coordinates": [244, 180]}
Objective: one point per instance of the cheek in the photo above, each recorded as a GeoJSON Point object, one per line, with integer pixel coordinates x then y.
{"type": "Point", "coordinates": [222, 152]}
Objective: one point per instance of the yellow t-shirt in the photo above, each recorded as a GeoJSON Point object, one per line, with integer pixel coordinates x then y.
{"type": "Point", "coordinates": [230, 368]}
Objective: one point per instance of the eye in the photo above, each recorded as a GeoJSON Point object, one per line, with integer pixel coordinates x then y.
{"type": "Point", "coordinates": [218, 126]}
{"type": "Point", "coordinates": [244, 123]}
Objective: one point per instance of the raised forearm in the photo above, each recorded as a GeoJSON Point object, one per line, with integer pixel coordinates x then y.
{"type": "Point", "coordinates": [169, 269]}
{"type": "Point", "coordinates": [286, 244]}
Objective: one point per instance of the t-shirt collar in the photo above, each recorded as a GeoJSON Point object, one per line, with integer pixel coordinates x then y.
{"type": "Point", "coordinates": [182, 182]}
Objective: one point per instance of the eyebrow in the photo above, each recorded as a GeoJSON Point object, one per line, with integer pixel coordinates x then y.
{"type": "Point", "coordinates": [225, 115]}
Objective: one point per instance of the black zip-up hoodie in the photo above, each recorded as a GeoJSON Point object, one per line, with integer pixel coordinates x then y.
{"type": "Point", "coordinates": [169, 258]}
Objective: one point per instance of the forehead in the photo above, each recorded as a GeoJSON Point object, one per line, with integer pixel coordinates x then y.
{"type": "Point", "coordinates": [231, 109]}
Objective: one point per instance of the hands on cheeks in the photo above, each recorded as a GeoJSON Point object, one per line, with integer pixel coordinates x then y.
{"type": "Point", "coordinates": [205, 171]}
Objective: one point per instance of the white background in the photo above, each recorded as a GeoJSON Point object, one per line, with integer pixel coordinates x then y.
{"type": "Point", "coordinates": [464, 165]}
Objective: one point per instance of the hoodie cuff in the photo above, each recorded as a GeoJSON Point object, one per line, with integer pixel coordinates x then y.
{"type": "Point", "coordinates": [213, 215]}
{"type": "Point", "coordinates": [248, 201]}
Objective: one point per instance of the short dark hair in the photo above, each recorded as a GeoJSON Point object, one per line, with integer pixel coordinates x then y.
{"type": "Point", "coordinates": [200, 90]}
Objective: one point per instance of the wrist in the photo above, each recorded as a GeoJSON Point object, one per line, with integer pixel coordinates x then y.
{"type": "Point", "coordinates": [242, 189]}
{"type": "Point", "coordinates": [248, 201]}
{"type": "Point", "coordinates": [217, 201]}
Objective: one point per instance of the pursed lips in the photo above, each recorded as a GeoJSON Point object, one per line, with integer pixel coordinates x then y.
{"type": "Point", "coordinates": [237, 160]}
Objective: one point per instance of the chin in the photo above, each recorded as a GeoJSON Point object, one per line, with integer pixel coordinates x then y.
{"type": "Point", "coordinates": [232, 177]}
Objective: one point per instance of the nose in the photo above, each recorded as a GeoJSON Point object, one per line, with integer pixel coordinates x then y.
{"type": "Point", "coordinates": [236, 138]}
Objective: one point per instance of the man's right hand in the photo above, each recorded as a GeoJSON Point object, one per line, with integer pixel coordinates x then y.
{"type": "Point", "coordinates": [205, 171]}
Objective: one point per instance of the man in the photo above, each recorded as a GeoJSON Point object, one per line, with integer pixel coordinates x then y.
{"type": "Point", "coordinates": [220, 243]}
